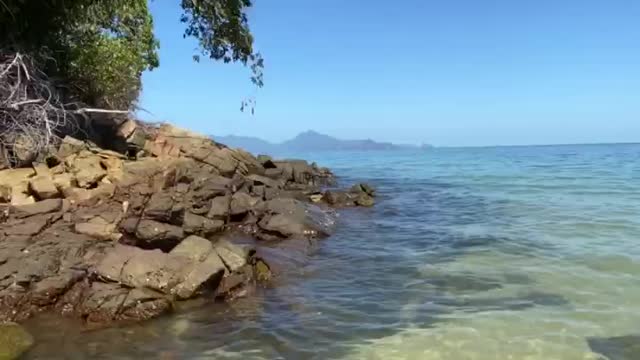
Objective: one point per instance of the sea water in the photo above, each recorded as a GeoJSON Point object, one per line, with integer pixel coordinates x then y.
{"type": "Point", "coordinates": [470, 253]}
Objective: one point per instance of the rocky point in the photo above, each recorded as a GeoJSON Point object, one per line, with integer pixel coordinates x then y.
{"type": "Point", "coordinates": [109, 236]}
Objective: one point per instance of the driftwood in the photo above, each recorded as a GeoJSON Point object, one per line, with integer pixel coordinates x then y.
{"type": "Point", "coordinates": [33, 113]}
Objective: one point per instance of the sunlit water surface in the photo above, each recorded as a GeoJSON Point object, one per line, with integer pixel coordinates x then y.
{"type": "Point", "coordinates": [488, 253]}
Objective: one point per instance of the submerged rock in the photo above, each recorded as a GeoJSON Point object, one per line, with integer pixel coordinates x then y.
{"type": "Point", "coordinates": [617, 348]}
{"type": "Point", "coordinates": [14, 341]}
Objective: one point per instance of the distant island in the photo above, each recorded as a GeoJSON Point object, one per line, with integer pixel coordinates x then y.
{"type": "Point", "coordinates": [310, 141]}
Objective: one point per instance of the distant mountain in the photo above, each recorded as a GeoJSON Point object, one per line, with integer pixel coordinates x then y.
{"type": "Point", "coordinates": [307, 141]}
{"type": "Point", "coordinates": [251, 144]}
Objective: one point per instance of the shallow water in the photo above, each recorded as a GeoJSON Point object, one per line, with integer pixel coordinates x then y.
{"type": "Point", "coordinates": [487, 253]}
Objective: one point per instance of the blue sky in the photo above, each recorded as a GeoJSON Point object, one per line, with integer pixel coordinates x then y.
{"type": "Point", "coordinates": [445, 72]}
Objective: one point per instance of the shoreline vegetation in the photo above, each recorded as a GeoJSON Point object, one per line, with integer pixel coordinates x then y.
{"type": "Point", "coordinates": [107, 237]}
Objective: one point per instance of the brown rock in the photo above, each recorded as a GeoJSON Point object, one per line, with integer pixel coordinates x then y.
{"type": "Point", "coordinates": [220, 207]}
{"type": "Point", "coordinates": [70, 146]}
{"type": "Point", "coordinates": [196, 224]}
{"type": "Point", "coordinates": [194, 248]}
{"type": "Point", "coordinates": [207, 273]}
{"type": "Point", "coordinates": [87, 168]}
{"type": "Point", "coordinates": [158, 235]}
{"type": "Point", "coordinates": [126, 129]}
{"type": "Point", "coordinates": [233, 256]}
{"type": "Point", "coordinates": [99, 229]}
{"type": "Point", "coordinates": [43, 187]}
{"type": "Point", "coordinates": [41, 207]}
{"type": "Point", "coordinates": [241, 203]}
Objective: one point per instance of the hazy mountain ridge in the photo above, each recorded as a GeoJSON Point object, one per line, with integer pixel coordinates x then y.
{"type": "Point", "coordinates": [307, 141]}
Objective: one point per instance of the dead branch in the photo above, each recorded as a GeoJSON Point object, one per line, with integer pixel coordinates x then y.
{"type": "Point", "coordinates": [33, 115]}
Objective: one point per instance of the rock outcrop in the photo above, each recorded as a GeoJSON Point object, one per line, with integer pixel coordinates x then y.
{"type": "Point", "coordinates": [106, 237]}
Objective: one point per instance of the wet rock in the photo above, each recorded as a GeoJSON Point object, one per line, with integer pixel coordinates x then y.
{"type": "Point", "coordinates": [233, 256]}
{"type": "Point", "coordinates": [40, 207]}
{"type": "Point", "coordinates": [135, 267]}
{"type": "Point", "coordinates": [103, 303]}
{"type": "Point", "coordinates": [291, 218]}
{"type": "Point", "coordinates": [364, 200]}
{"type": "Point", "coordinates": [196, 224]}
{"type": "Point", "coordinates": [364, 188]}
{"type": "Point", "coordinates": [337, 198]}
{"type": "Point", "coordinates": [205, 274]}
{"type": "Point", "coordinates": [183, 272]}
{"type": "Point", "coordinates": [48, 290]}
{"type": "Point", "coordinates": [617, 348]}
{"type": "Point", "coordinates": [14, 341]}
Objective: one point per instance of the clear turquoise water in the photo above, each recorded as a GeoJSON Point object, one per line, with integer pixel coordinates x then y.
{"type": "Point", "coordinates": [484, 253]}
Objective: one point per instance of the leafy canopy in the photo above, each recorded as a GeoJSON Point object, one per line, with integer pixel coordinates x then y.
{"type": "Point", "coordinates": [99, 48]}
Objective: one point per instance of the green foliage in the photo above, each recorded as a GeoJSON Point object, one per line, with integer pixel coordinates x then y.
{"type": "Point", "coordinates": [222, 29]}
{"type": "Point", "coordinates": [101, 47]}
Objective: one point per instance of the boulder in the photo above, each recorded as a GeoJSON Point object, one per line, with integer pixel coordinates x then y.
{"type": "Point", "coordinates": [199, 275]}
{"type": "Point", "coordinates": [196, 224]}
{"type": "Point", "coordinates": [337, 198]}
{"type": "Point", "coordinates": [194, 248]}
{"type": "Point", "coordinates": [70, 146]}
{"type": "Point", "coordinates": [162, 206]}
{"type": "Point", "coordinates": [14, 341]}
{"type": "Point", "coordinates": [99, 229]}
{"type": "Point", "coordinates": [182, 272]}
{"type": "Point", "coordinates": [220, 207]}
{"type": "Point", "coordinates": [364, 200]}
{"type": "Point", "coordinates": [286, 218]}
{"type": "Point", "coordinates": [364, 188]}
{"type": "Point", "coordinates": [157, 235]}
{"type": "Point", "coordinates": [264, 180]}
{"type": "Point", "coordinates": [86, 168]}
{"type": "Point", "coordinates": [275, 173]}
{"type": "Point", "coordinates": [233, 256]}
{"type": "Point", "coordinates": [63, 182]}
{"type": "Point", "coordinates": [102, 303]}
{"type": "Point", "coordinates": [242, 203]}
{"type": "Point", "coordinates": [43, 188]}
{"type": "Point", "coordinates": [40, 207]}
{"type": "Point", "coordinates": [135, 267]}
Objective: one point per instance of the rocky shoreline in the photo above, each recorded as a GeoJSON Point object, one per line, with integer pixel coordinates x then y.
{"type": "Point", "coordinates": [110, 236]}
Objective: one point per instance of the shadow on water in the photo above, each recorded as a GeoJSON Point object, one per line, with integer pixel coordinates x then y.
{"type": "Point", "coordinates": [364, 283]}
{"type": "Point", "coordinates": [617, 348]}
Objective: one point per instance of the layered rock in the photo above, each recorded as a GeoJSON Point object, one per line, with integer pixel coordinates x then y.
{"type": "Point", "coordinates": [95, 234]}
